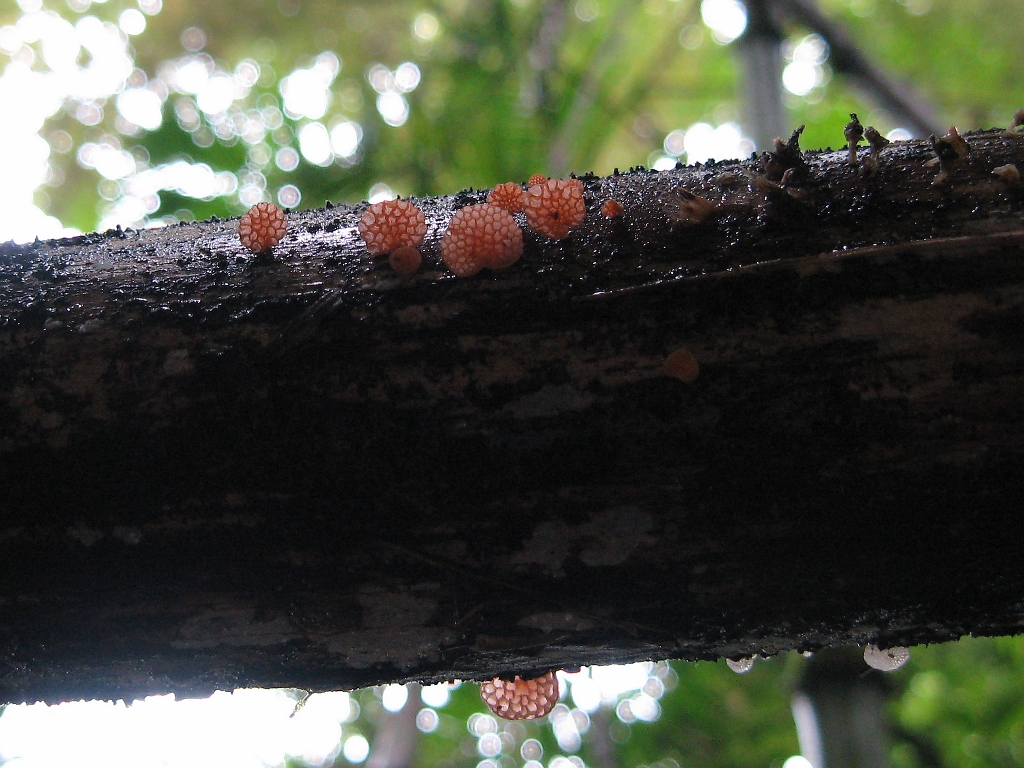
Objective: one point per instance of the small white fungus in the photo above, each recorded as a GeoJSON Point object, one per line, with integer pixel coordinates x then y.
{"type": "Point", "coordinates": [888, 660]}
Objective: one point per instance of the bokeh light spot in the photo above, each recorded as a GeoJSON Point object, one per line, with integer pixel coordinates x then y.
{"type": "Point", "coordinates": [315, 144]}
{"type": "Point", "coordinates": [287, 159]}
{"type": "Point", "coordinates": [436, 695]}
{"type": "Point", "coordinates": [587, 10]}
{"type": "Point", "coordinates": [193, 39]}
{"type": "Point", "coordinates": [531, 749]}
{"type": "Point", "coordinates": [725, 18]}
{"type": "Point", "coordinates": [425, 26]}
{"type": "Point", "coordinates": [380, 192]}
{"type": "Point", "coordinates": [289, 196]}
{"type": "Point", "coordinates": [427, 720]}
{"type": "Point", "coordinates": [356, 748]}
{"type": "Point", "coordinates": [132, 22]}
{"type": "Point", "coordinates": [393, 108]}
{"type": "Point", "coordinates": [141, 106]}
{"type": "Point", "coordinates": [393, 697]}
{"type": "Point", "coordinates": [345, 138]}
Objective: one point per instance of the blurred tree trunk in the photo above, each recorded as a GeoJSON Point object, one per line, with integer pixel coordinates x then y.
{"type": "Point", "coordinates": [396, 740]}
{"type": "Point", "coordinates": [220, 470]}
{"type": "Point", "coordinates": [841, 711]}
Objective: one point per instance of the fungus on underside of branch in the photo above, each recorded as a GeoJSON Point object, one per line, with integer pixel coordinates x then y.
{"type": "Point", "coordinates": [520, 699]}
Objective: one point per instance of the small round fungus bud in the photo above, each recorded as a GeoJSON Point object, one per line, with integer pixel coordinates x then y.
{"type": "Point", "coordinates": [537, 178]}
{"type": "Point", "coordinates": [406, 260]}
{"type": "Point", "coordinates": [479, 236]}
{"type": "Point", "coordinates": [521, 699]}
{"type": "Point", "coordinates": [555, 207]}
{"type": "Point", "coordinates": [392, 224]}
{"type": "Point", "coordinates": [681, 365]}
{"type": "Point", "coordinates": [508, 196]}
{"type": "Point", "coordinates": [262, 227]}
{"type": "Point", "coordinates": [888, 660]}
{"type": "Point", "coordinates": [611, 209]}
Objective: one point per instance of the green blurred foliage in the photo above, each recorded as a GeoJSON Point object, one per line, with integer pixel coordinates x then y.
{"type": "Point", "coordinates": [514, 87]}
{"type": "Point", "coordinates": [957, 704]}
{"type": "Point", "coordinates": [962, 704]}
{"type": "Point", "coordinates": [716, 718]}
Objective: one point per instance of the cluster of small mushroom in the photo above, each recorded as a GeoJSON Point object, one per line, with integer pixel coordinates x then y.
{"type": "Point", "coordinates": [854, 132]}
{"type": "Point", "coordinates": [520, 699]}
{"type": "Point", "coordinates": [395, 228]}
{"type": "Point", "coordinates": [479, 236]}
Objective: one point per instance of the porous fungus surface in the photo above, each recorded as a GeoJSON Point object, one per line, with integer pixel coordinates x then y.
{"type": "Point", "coordinates": [521, 699]}
{"type": "Point", "coordinates": [479, 236]}
{"type": "Point", "coordinates": [555, 207]}
{"type": "Point", "coordinates": [508, 196]}
{"type": "Point", "coordinates": [537, 178]}
{"type": "Point", "coordinates": [392, 224]}
{"type": "Point", "coordinates": [262, 227]}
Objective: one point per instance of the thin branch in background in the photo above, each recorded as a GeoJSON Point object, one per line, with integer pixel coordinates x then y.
{"type": "Point", "coordinates": [613, 113]}
{"type": "Point", "coordinates": [759, 55]}
{"type": "Point", "coordinates": [542, 55]}
{"type": "Point", "coordinates": [926, 750]}
{"type": "Point", "coordinates": [896, 98]}
{"type": "Point", "coordinates": [602, 750]}
{"type": "Point", "coordinates": [558, 157]}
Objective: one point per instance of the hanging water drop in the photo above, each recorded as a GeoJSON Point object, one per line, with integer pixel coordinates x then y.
{"type": "Point", "coordinates": [741, 666]}
{"type": "Point", "coordinates": [888, 660]}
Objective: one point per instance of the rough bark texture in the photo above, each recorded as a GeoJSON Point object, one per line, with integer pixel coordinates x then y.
{"type": "Point", "coordinates": [223, 470]}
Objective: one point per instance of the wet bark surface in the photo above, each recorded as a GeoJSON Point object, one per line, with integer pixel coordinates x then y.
{"type": "Point", "coordinates": [220, 469]}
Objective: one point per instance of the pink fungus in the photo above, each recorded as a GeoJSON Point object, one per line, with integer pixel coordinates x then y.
{"type": "Point", "coordinates": [611, 208]}
{"type": "Point", "coordinates": [262, 227]}
{"type": "Point", "coordinates": [521, 699]}
{"type": "Point", "coordinates": [508, 196]}
{"type": "Point", "coordinates": [392, 224]}
{"type": "Point", "coordinates": [555, 207]}
{"type": "Point", "coordinates": [405, 260]}
{"type": "Point", "coordinates": [481, 236]}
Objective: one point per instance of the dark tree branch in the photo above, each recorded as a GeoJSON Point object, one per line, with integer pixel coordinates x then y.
{"type": "Point", "coordinates": [220, 470]}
